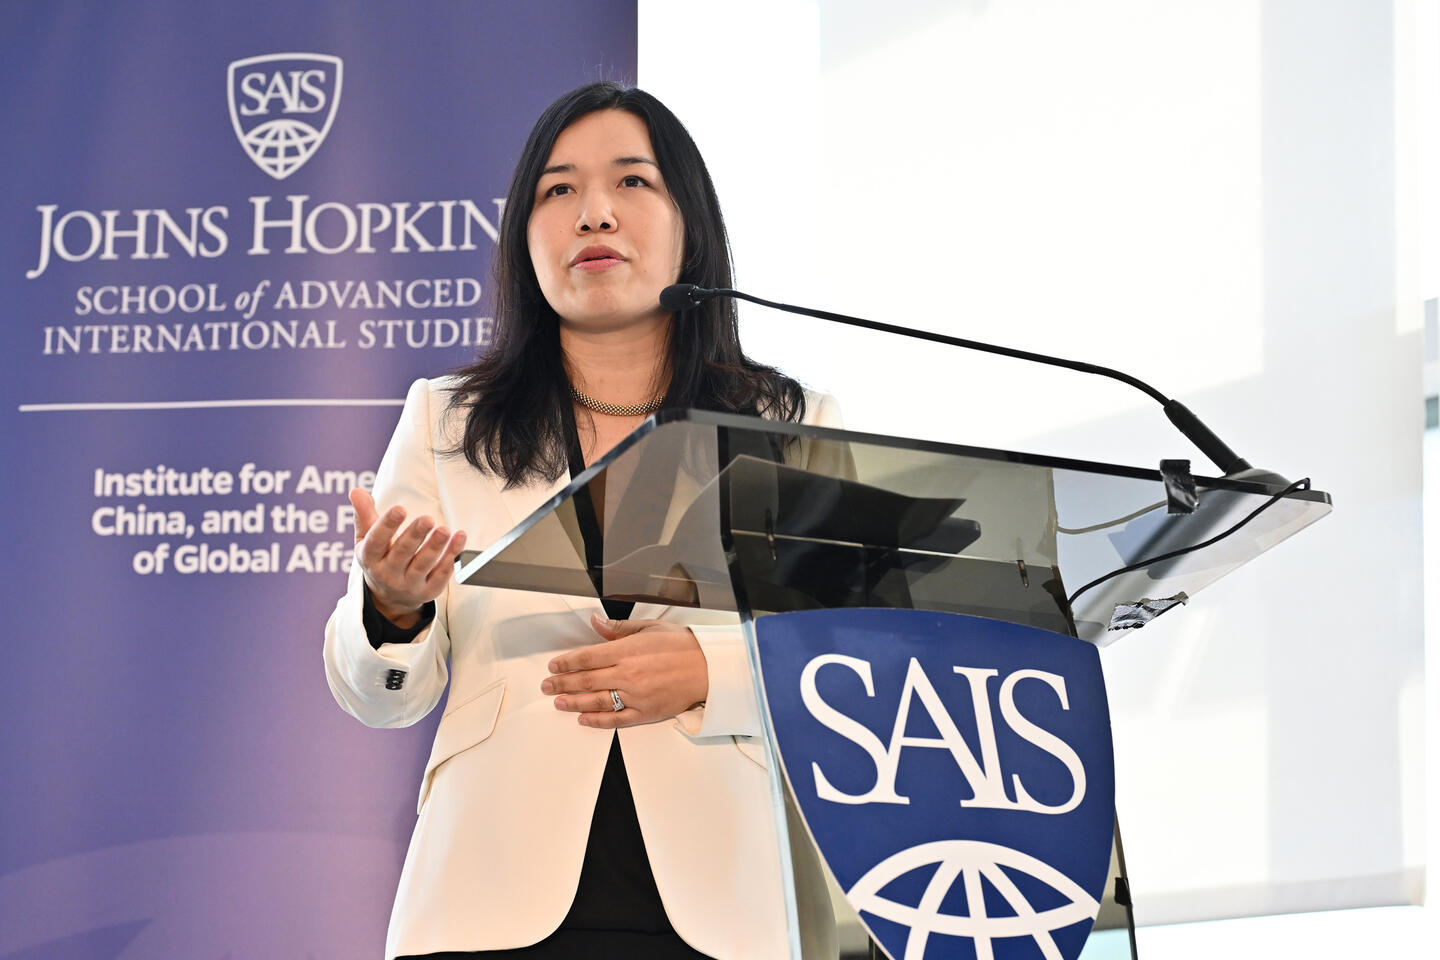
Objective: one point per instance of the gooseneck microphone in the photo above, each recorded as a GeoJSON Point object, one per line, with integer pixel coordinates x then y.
{"type": "Point", "coordinates": [685, 296]}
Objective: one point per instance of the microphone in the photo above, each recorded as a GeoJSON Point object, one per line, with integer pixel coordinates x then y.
{"type": "Point", "coordinates": [679, 297]}
{"type": "Point", "coordinates": [683, 296]}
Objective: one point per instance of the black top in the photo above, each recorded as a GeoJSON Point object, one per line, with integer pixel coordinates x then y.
{"type": "Point", "coordinates": [617, 910]}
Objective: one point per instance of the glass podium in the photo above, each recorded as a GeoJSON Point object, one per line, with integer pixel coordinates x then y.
{"type": "Point", "coordinates": [725, 512]}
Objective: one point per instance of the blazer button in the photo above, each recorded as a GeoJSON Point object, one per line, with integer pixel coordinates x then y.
{"type": "Point", "coordinates": [395, 679]}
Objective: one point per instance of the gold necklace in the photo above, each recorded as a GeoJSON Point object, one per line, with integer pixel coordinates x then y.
{"type": "Point", "coordinates": [616, 409]}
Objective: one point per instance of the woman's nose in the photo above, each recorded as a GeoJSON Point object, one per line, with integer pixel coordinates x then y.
{"type": "Point", "coordinates": [596, 216]}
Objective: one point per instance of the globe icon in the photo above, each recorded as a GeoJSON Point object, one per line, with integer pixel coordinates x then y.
{"type": "Point", "coordinates": [281, 146]}
{"type": "Point", "coordinates": [970, 862]}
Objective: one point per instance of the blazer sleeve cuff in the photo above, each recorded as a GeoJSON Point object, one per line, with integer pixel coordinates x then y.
{"type": "Point", "coordinates": [390, 685]}
{"type": "Point", "coordinates": [730, 708]}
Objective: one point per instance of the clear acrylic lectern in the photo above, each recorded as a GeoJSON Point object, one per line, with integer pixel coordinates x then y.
{"type": "Point", "coordinates": [736, 513]}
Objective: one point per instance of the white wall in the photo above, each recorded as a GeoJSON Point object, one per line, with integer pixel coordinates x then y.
{"type": "Point", "coordinates": [1213, 196]}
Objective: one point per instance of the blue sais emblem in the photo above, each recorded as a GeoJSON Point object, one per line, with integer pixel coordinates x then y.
{"type": "Point", "coordinates": [956, 774]}
{"type": "Point", "coordinates": [282, 106]}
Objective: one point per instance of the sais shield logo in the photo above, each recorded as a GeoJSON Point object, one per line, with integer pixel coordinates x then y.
{"type": "Point", "coordinates": [956, 774]}
{"type": "Point", "coordinates": [282, 106]}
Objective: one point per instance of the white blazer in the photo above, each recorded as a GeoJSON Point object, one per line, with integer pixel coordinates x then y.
{"type": "Point", "coordinates": [506, 798]}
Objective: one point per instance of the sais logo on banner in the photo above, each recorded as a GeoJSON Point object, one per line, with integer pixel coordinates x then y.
{"type": "Point", "coordinates": [282, 106]}
{"type": "Point", "coordinates": [955, 772]}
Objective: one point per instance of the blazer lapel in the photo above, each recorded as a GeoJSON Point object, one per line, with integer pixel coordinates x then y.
{"type": "Point", "coordinates": [521, 502]}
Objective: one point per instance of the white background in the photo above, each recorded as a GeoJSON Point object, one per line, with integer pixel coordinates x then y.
{"type": "Point", "coordinates": [1223, 198]}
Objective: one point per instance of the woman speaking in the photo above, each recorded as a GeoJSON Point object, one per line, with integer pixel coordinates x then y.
{"type": "Point", "coordinates": [593, 790]}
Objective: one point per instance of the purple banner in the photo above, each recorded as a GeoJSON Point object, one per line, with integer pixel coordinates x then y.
{"type": "Point", "coordinates": [234, 233]}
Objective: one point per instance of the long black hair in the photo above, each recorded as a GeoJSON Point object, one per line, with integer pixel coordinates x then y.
{"type": "Point", "coordinates": [517, 394]}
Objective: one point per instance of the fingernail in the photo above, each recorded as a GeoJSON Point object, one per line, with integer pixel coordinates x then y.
{"type": "Point", "coordinates": [584, 721]}
{"type": "Point", "coordinates": [547, 686]}
{"type": "Point", "coordinates": [554, 666]}
{"type": "Point", "coordinates": [441, 532]}
{"type": "Point", "coordinates": [559, 703]}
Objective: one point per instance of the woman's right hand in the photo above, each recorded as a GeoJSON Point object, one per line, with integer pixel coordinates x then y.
{"type": "Point", "coordinates": [403, 569]}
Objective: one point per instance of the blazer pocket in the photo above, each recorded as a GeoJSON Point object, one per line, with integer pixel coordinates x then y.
{"type": "Point", "coordinates": [462, 728]}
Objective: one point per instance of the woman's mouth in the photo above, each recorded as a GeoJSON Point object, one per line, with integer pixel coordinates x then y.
{"type": "Point", "coordinates": [596, 258]}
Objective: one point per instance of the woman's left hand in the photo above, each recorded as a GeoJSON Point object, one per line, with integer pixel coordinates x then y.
{"type": "Point", "coordinates": [655, 667]}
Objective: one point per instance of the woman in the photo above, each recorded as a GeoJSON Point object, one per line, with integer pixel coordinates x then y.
{"type": "Point", "coordinates": [594, 784]}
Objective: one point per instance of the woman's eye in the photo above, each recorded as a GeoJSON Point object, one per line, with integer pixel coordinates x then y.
{"type": "Point", "coordinates": [560, 189]}
{"type": "Point", "coordinates": [634, 181]}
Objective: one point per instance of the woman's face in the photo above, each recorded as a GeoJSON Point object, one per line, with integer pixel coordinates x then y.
{"type": "Point", "coordinates": [605, 238]}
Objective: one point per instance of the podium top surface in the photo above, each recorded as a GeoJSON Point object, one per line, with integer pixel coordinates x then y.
{"type": "Point", "coordinates": [728, 512]}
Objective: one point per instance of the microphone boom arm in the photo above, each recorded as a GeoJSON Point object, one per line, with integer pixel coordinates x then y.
{"type": "Point", "coordinates": [686, 296]}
